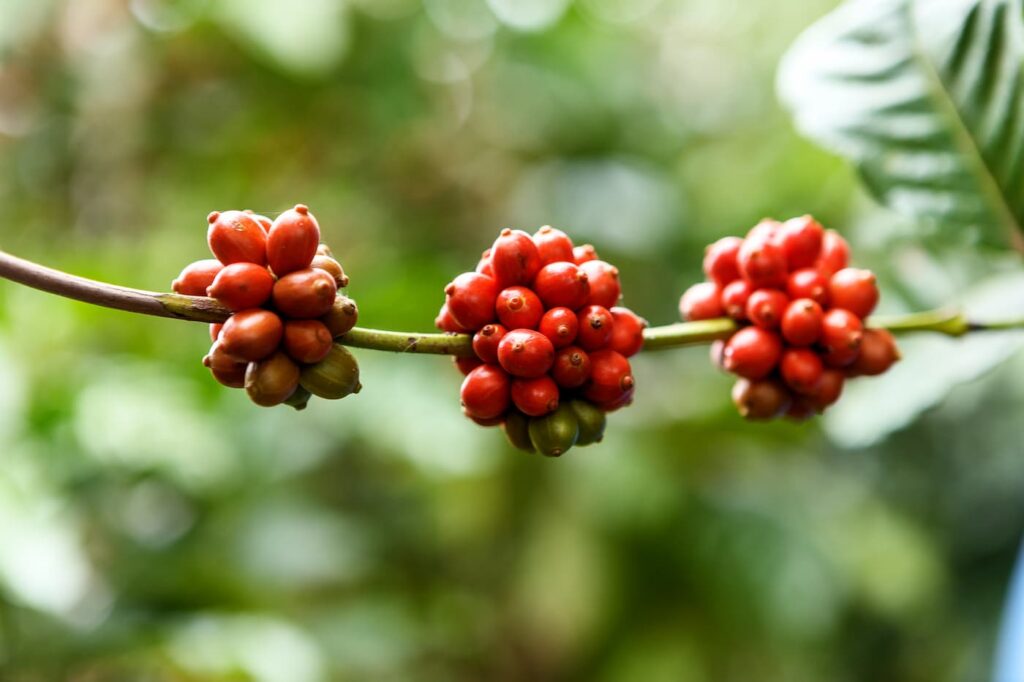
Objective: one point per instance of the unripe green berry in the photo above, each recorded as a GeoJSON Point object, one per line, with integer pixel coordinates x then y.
{"type": "Point", "coordinates": [591, 420]}
{"type": "Point", "coordinates": [517, 430]}
{"type": "Point", "coordinates": [555, 433]}
{"type": "Point", "coordinates": [334, 377]}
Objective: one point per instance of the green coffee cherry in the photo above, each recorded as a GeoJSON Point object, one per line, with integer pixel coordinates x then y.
{"type": "Point", "coordinates": [299, 399]}
{"type": "Point", "coordinates": [334, 377]}
{"type": "Point", "coordinates": [555, 433]}
{"type": "Point", "coordinates": [517, 430]}
{"type": "Point", "coordinates": [591, 419]}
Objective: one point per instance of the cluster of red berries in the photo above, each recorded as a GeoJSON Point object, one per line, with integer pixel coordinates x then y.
{"type": "Point", "coordinates": [550, 344]}
{"type": "Point", "coordinates": [281, 285]}
{"type": "Point", "coordinates": [803, 313]}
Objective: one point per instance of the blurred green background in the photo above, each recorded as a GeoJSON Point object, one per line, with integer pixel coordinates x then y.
{"type": "Point", "coordinates": [156, 526]}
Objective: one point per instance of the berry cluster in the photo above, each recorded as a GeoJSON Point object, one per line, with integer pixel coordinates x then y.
{"type": "Point", "coordinates": [550, 343]}
{"type": "Point", "coordinates": [803, 313]}
{"type": "Point", "coordinates": [281, 285]}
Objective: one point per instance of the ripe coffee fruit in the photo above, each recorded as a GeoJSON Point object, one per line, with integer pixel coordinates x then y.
{"type": "Point", "coordinates": [560, 325]}
{"type": "Point", "coordinates": [471, 299]}
{"type": "Point", "coordinates": [855, 290]}
{"type": "Point", "coordinates": [334, 377]}
{"type": "Point", "coordinates": [841, 336]}
{"type": "Point", "coordinates": [584, 253]}
{"type": "Point", "coordinates": [486, 392]}
{"type": "Point", "coordinates": [752, 352]}
{"type": "Point", "coordinates": [236, 237]}
{"type": "Point", "coordinates": [878, 352]}
{"type": "Point", "coordinates": [610, 377]}
{"type": "Point", "coordinates": [225, 368]}
{"type": "Point", "coordinates": [553, 245]}
{"type": "Point", "coordinates": [251, 335]}
{"type": "Point", "coordinates": [734, 299]}
{"type": "Point", "coordinates": [562, 284]}
{"type": "Point", "coordinates": [342, 316]}
{"type": "Point", "coordinates": [515, 258]}
{"type": "Point", "coordinates": [720, 264]}
{"type": "Point", "coordinates": [765, 308]}
{"type": "Point", "coordinates": [702, 301]}
{"type": "Point", "coordinates": [485, 342]}
{"type": "Point", "coordinates": [595, 327]}
{"type": "Point", "coordinates": [271, 381]}
{"type": "Point", "coordinates": [801, 369]}
{"type": "Point", "coordinates": [603, 280]}
{"type": "Point", "coordinates": [762, 262]}
{"type": "Point", "coordinates": [526, 353]}
{"type": "Point", "coordinates": [627, 331]}
{"type": "Point", "coordinates": [809, 283]}
{"type": "Point", "coordinates": [553, 434]}
{"type": "Point", "coordinates": [307, 341]}
{"type": "Point", "coordinates": [292, 241]}
{"type": "Point", "coordinates": [535, 397]}
{"type": "Point", "coordinates": [240, 286]}
{"type": "Point", "coordinates": [519, 308]}
{"type": "Point", "coordinates": [800, 240]}
{"type": "Point", "coordinates": [801, 323]}
{"type": "Point", "coordinates": [571, 368]}
{"type": "Point", "coordinates": [305, 294]}
{"type": "Point", "coordinates": [835, 253]}
{"type": "Point", "coordinates": [764, 399]}
{"type": "Point", "coordinates": [196, 278]}
{"type": "Point", "coordinates": [332, 268]}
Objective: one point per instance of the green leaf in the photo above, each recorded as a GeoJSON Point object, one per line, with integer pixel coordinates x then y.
{"type": "Point", "coordinates": [925, 97]}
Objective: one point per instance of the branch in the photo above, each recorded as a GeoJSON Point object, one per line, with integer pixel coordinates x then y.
{"type": "Point", "coordinates": [950, 322]}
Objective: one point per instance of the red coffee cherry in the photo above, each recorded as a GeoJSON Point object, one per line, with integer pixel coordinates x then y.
{"type": "Point", "coordinates": [485, 342]}
{"type": "Point", "coordinates": [808, 283]}
{"type": "Point", "coordinates": [236, 237]}
{"type": "Point", "coordinates": [720, 265]}
{"type": "Point", "coordinates": [627, 331]}
{"type": "Point", "coordinates": [854, 290]}
{"type": "Point", "coordinates": [342, 316]}
{"type": "Point", "coordinates": [734, 299]}
{"type": "Point", "coordinates": [765, 308]}
{"type": "Point", "coordinates": [307, 341]}
{"type": "Point", "coordinates": [801, 323]}
{"type": "Point", "coordinates": [702, 301]}
{"type": "Point", "coordinates": [471, 299]}
{"type": "Point", "coordinates": [514, 258]}
{"type": "Point", "coordinates": [800, 240]}
{"type": "Point", "coordinates": [560, 325]}
{"type": "Point", "coordinates": [835, 253]}
{"type": "Point", "coordinates": [446, 323]}
{"type": "Point", "coordinates": [483, 266]}
{"type": "Point", "coordinates": [767, 228]}
{"type": "Point", "coordinates": [215, 330]}
{"type": "Point", "coordinates": [762, 262]}
{"type": "Point", "coordinates": [486, 392]}
{"type": "Point", "coordinates": [610, 377]}
{"type": "Point", "coordinates": [240, 286]}
{"type": "Point", "coordinates": [197, 277]}
{"type": "Point", "coordinates": [305, 294]}
{"type": "Point", "coordinates": [331, 267]}
{"type": "Point", "coordinates": [226, 369]}
{"type": "Point", "coordinates": [553, 245]}
{"type": "Point", "coordinates": [878, 352]}
{"type": "Point", "coordinates": [828, 390]}
{"type": "Point", "coordinates": [801, 369]}
{"type": "Point", "coordinates": [535, 397]}
{"type": "Point", "coordinates": [292, 241]}
{"type": "Point", "coordinates": [519, 308]}
{"type": "Point", "coordinates": [263, 220]}
{"type": "Point", "coordinates": [571, 368]}
{"type": "Point", "coordinates": [625, 399]}
{"type": "Point", "coordinates": [596, 325]}
{"type": "Point", "coordinates": [752, 352]}
{"type": "Point", "coordinates": [562, 285]}
{"type": "Point", "coordinates": [603, 278]}
{"type": "Point", "coordinates": [251, 335]}
{"type": "Point", "coordinates": [271, 381]}
{"type": "Point", "coordinates": [584, 253]}
{"type": "Point", "coordinates": [466, 364]}
{"type": "Point", "coordinates": [525, 353]}
{"type": "Point", "coordinates": [758, 400]}
{"type": "Point", "coordinates": [841, 335]}
{"type": "Point", "coordinates": [800, 409]}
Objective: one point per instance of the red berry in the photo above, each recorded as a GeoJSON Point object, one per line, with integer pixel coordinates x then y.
{"type": "Point", "coordinates": [766, 306]}
{"type": "Point", "coordinates": [305, 294]}
{"type": "Point", "coordinates": [486, 392]}
{"type": "Point", "coordinates": [854, 290]}
{"type": "Point", "coordinates": [622, 401]}
{"type": "Point", "coordinates": [483, 266]}
{"type": "Point", "coordinates": [331, 267]}
{"type": "Point", "coordinates": [752, 352]}
{"type": "Point", "coordinates": [292, 241]}
{"type": "Point", "coordinates": [720, 264]}
{"type": "Point", "coordinates": [801, 369]}
{"type": "Point", "coordinates": [610, 377]}
{"type": "Point", "coordinates": [841, 335]}
{"type": "Point", "coordinates": [584, 253]}
{"type": "Point", "coordinates": [766, 229]}
{"type": "Point", "coordinates": [627, 331]}
{"type": "Point", "coordinates": [800, 239]}
{"type": "Point", "coordinates": [828, 389]}
{"type": "Point", "coordinates": [240, 286]}
{"type": "Point", "coordinates": [603, 278]}
{"type": "Point", "coordinates": [553, 245]}
{"type": "Point", "coordinates": [702, 301]}
{"type": "Point", "coordinates": [801, 323]}
{"type": "Point", "coordinates": [514, 258]}
{"type": "Point", "coordinates": [471, 299]}
{"type": "Point", "coordinates": [571, 368]}
{"type": "Point", "coordinates": [494, 421]}
{"type": "Point", "coordinates": [519, 308]}
{"type": "Point", "coordinates": [560, 325]}
{"type": "Point", "coordinates": [800, 409]}
{"type": "Point", "coordinates": [446, 323]}
{"type": "Point", "coordinates": [215, 330]}
{"type": "Point", "coordinates": [756, 400]}
{"type": "Point", "coordinates": [307, 341]}
{"type": "Point", "coordinates": [596, 325]}
{"type": "Point", "coordinates": [265, 222]}
{"type": "Point", "coordinates": [734, 299]}
{"type": "Point", "coordinates": [485, 342]}
{"type": "Point", "coordinates": [535, 397]}
{"type": "Point", "coordinates": [197, 277]}
{"type": "Point", "coordinates": [878, 352]}
{"type": "Point", "coordinates": [762, 262]}
{"type": "Point", "coordinates": [251, 335]}
{"type": "Point", "coordinates": [466, 364]}
{"type": "Point", "coordinates": [226, 369]}
{"type": "Point", "coordinates": [526, 353]}
{"type": "Point", "coordinates": [835, 253]}
{"type": "Point", "coordinates": [808, 283]}
{"type": "Point", "coordinates": [236, 237]}
{"type": "Point", "coordinates": [562, 285]}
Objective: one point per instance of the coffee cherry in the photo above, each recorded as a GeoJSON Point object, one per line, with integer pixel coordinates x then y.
{"type": "Point", "coordinates": [627, 331]}
{"type": "Point", "coordinates": [535, 397]}
{"type": "Point", "coordinates": [800, 409]}
{"type": "Point", "coordinates": [828, 389]}
{"type": "Point", "coordinates": [878, 352]}
{"type": "Point", "coordinates": [486, 423]}
{"type": "Point", "coordinates": [518, 308]}
{"type": "Point", "coordinates": [841, 335]}
{"type": "Point", "coordinates": [555, 433]}
{"type": "Point", "coordinates": [765, 308]}
{"type": "Point", "coordinates": [324, 250]}
{"type": "Point", "coordinates": [702, 301]}
{"type": "Point", "coordinates": [571, 368]}
{"type": "Point", "coordinates": [446, 323]}
{"type": "Point", "coordinates": [486, 392]}
{"type": "Point", "coordinates": [215, 330]}
{"type": "Point", "coordinates": [854, 290]}
{"type": "Point", "coordinates": [307, 341]}
{"type": "Point", "coordinates": [752, 352]}
{"type": "Point", "coordinates": [720, 264]}
{"type": "Point", "coordinates": [332, 268]}
{"type": "Point", "coordinates": [485, 342]}
{"type": "Point", "coordinates": [292, 241]}
{"type": "Point", "coordinates": [584, 253]}
{"type": "Point", "coordinates": [767, 228]}
{"type": "Point", "coordinates": [225, 368]}
{"type": "Point", "coordinates": [471, 299]}
{"type": "Point", "coordinates": [271, 381]}
{"type": "Point", "coordinates": [734, 299]}
{"type": "Point", "coordinates": [801, 323]}
{"type": "Point", "coordinates": [342, 316]}
{"type": "Point", "coordinates": [196, 278]}
{"type": "Point", "coordinates": [334, 377]}
{"type": "Point", "coordinates": [240, 286]}
{"type": "Point", "coordinates": [553, 245]}
{"type": "Point", "coordinates": [562, 285]}
{"type": "Point", "coordinates": [265, 222]}
{"type": "Point", "coordinates": [717, 354]}
{"type": "Point", "coordinates": [808, 283]}
{"type": "Point", "coordinates": [801, 369]}
{"type": "Point", "coordinates": [299, 399]}
{"type": "Point", "coordinates": [466, 364]}
{"type": "Point", "coordinates": [800, 240]}
{"type": "Point", "coordinates": [596, 325]}
{"type": "Point", "coordinates": [591, 421]}
{"type": "Point", "coordinates": [251, 335]}
{"type": "Point", "coordinates": [514, 258]}
{"type": "Point", "coordinates": [236, 237]}
{"type": "Point", "coordinates": [305, 294]}
{"type": "Point", "coordinates": [526, 353]}
{"type": "Point", "coordinates": [560, 325]}
{"type": "Point", "coordinates": [762, 262]}
{"type": "Point", "coordinates": [603, 279]}
{"type": "Point", "coordinates": [517, 430]}
{"type": "Point", "coordinates": [483, 266]}
{"type": "Point", "coordinates": [757, 400]}
{"type": "Point", "coordinates": [835, 253]}
{"type": "Point", "coordinates": [610, 377]}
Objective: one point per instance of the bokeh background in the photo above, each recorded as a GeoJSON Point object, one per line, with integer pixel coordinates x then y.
{"type": "Point", "coordinates": [155, 526]}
